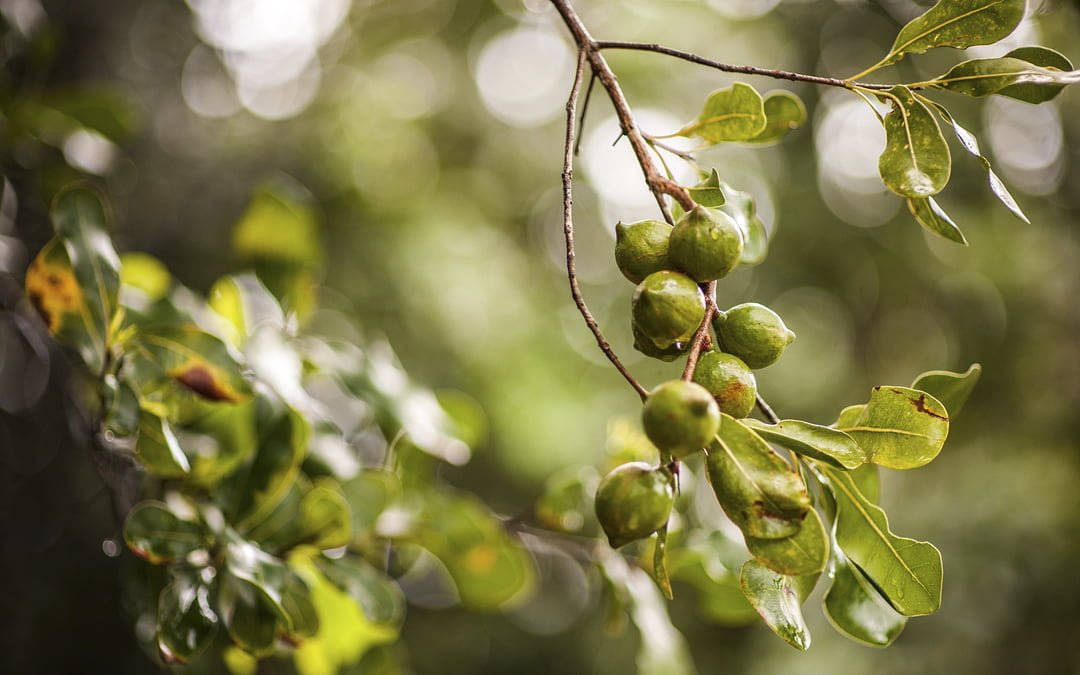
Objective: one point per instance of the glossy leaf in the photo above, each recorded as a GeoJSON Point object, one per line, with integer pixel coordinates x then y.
{"type": "Point", "coordinates": [805, 552]}
{"type": "Point", "coordinates": [157, 535]}
{"type": "Point", "coordinates": [1008, 76]}
{"type": "Point", "coordinates": [916, 161]}
{"type": "Point", "coordinates": [778, 600]}
{"type": "Point", "coordinates": [488, 567]}
{"type": "Point", "coordinates": [267, 575]}
{"type": "Point", "coordinates": [736, 113]}
{"type": "Point", "coordinates": [957, 23]}
{"type": "Point", "coordinates": [755, 486]}
{"type": "Point", "coordinates": [971, 145]}
{"type": "Point", "coordinates": [811, 440]}
{"type": "Point", "coordinates": [951, 389]}
{"type": "Point", "coordinates": [196, 360]}
{"type": "Point", "coordinates": [1039, 56]}
{"type": "Point", "coordinates": [908, 572]}
{"type": "Point", "coordinates": [784, 112]}
{"type": "Point", "coordinates": [857, 610]}
{"type": "Point", "coordinates": [378, 596]}
{"type": "Point", "coordinates": [900, 428]}
{"type": "Point", "coordinates": [659, 569]}
{"type": "Point", "coordinates": [928, 213]}
{"type": "Point", "coordinates": [708, 192]}
{"type": "Point", "coordinates": [740, 206]}
{"type": "Point", "coordinates": [186, 621]}
{"type": "Point", "coordinates": [59, 297]}
{"type": "Point", "coordinates": [325, 521]}
{"type": "Point", "coordinates": [251, 622]}
{"type": "Point", "coordinates": [218, 439]}
{"type": "Point", "coordinates": [281, 448]}
{"type": "Point", "coordinates": [158, 450]}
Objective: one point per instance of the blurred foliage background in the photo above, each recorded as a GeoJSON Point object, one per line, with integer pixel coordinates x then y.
{"type": "Point", "coordinates": [427, 134]}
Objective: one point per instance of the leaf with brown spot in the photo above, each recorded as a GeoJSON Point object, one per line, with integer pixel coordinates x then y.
{"type": "Point", "coordinates": [192, 358]}
{"type": "Point", "coordinates": [900, 428]}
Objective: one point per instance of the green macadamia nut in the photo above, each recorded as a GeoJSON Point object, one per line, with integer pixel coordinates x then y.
{"type": "Point", "coordinates": [680, 417]}
{"type": "Point", "coordinates": [753, 332]}
{"type": "Point", "coordinates": [730, 382]}
{"type": "Point", "coordinates": [706, 244]}
{"type": "Point", "coordinates": [644, 345]}
{"type": "Point", "coordinates": [641, 248]}
{"type": "Point", "coordinates": [633, 501]}
{"type": "Point", "coordinates": [667, 308]}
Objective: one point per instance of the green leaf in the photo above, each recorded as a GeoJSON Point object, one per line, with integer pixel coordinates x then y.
{"type": "Point", "coordinates": [194, 359]}
{"type": "Point", "coordinates": [778, 599]}
{"type": "Point", "coordinates": [908, 572]}
{"type": "Point", "coordinates": [957, 23]}
{"type": "Point", "coordinates": [368, 494]}
{"type": "Point", "coordinates": [279, 226]}
{"type": "Point", "coordinates": [488, 567]}
{"type": "Point", "coordinates": [281, 448]}
{"type": "Point", "coordinates": [186, 622]}
{"type": "Point", "coordinates": [736, 113]}
{"type": "Point", "coordinates": [900, 428]}
{"type": "Point", "coordinates": [296, 600]}
{"type": "Point", "coordinates": [740, 206]}
{"type": "Point", "coordinates": [857, 610]}
{"type": "Point", "coordinates": [951, 389]}
{"type": "Point", "coordinates": [868, 479]}
{"type": "Point", "coordinates": [227, 301]}
{"type": "Point", "coordinates": [158, 450]}
{"type": "Point", "coordinates": [1039, 56]}
{"type": "Point", "coordinates": [784, 111]}
{"type": "Point", "coordinates": [811, 440]}
{"type": "Point", "coordinates": [930, 215]}
{"type": "Point", "coordinates": [110, 111]}
{"type": "Point", "coordinates": [377, 595]}
{"type": "Point", "coordinates": [121, 408]}
{"type": "Point", "coordinates": [916, 161]}
{"type": "Point", "coordinates": [971, 144]}
{"type": "Point", "coordinates": [251, 622]}
{"type": "Point", "coordinates": [146, 274]}
{"type": "Point", "coordinates": [659, 568]}
{"type": "Point", "coordinates": [157, 535]}
{"type": "Point", "coordinates": [325, 521]}
{"type": "Point", "coordinates": [805, 552]}
{"type": "Point", "coordinates": [218, 439]}
{"type": "Point", "coordinates": [73, 317]}
{"type": "Point", "coordinates": [848, 415]}
{"type": "Point", "coordinates": [708, 192]}
{"type": "Point", "coordinates": [266, 574]}
{"type": "Point", "coordinates": [756, 488]}
{"type": "Point", "coordinates": [1007, 76]}
{"type": "Point", "coordinates": [711, 565]}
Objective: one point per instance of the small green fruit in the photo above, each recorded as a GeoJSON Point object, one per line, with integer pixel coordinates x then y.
{"type": "Point", "coordinates": [754, 333]}
{"type": "Point", "coordinates": [706, 244]}
{"type": "Point", "coordinates": [644, 345]}
{"type": "Point", "coordinates": [641, 248]}
{"type": "Point", "coordinates": [730, 382]}
{"type": "Point", "coordinates": [667, 309]}
{"type": "Point", "coordinates": [633, 501]}
{"type": "Point", "coordinates": [680, 417]}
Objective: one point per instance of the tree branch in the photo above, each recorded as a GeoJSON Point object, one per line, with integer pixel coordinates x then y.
{"type": "Point", "coordinates": [568, 229]}
{"type": "Point", "coordinates": [702, 333]}
{"type": "Point", "coordinates": [743, 70]}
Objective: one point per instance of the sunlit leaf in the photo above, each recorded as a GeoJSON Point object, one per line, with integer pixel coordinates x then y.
{"type": "Point", "coordinates": [145, 273]}
{"type": "Point", "coordinates": [900, 428]}
{"type": "Point", "coordinates": [778, 600]}
{"type": "Point", "coordinates": [784, 111]}
{"type": "Point", "coordinates": [928, 213]}
{"type": "Point", "coordinates": [755, 486]}
{"type": "Point", "coordinates": [156, 534]}
{"type": "Point", "coordinates": [855, 608]}
{"type": "Point", "coordinates": [736, 113]}
{"type": "Point", "coordinates": [1007, 76]}
{"type": "Point", "coordinates": [266, 574]}
{"type": "Point", "coordinates": [1039, 56]}
{"type": "Point", "coordinates": [186, 621]}
{"type": "Point", "coordinates": [951, 389]}
{"type": "Point", "coordinates": [848, 415]}
{"type": "Point", "coordinates": [708, 192]}
{"type": "Point", "coordinates": [908, 572]}
{"type": "Point", "coordinates": [812, 440]}
{"type": "Point", "coordinates": [157, 448]}
{"type": "Point", "coordinates": [325, 521]}
{"type": "Point", "coordinates": [378, 596]}
{"type": "Point", "coordinates": [916, 161]}
{"type": "Point", "coordinates": [957, 23]}
{"type": "Point", "coordinates": [740, 206]}
{"type": "Point", "coordinates": [805, 552]}
{"type": "Point", "coordinates": [196, 360]}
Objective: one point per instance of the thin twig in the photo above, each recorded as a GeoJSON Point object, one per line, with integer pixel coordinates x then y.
{"type": "Point", "coordinates": [767, 411]}
{"type": "Point", "coordinates": [732, 68]}
{"type": "Point", "coordinates": [584, 112]}
{"type": "Point", "coordinates": [681, 154]}
{"type": "Point", "coordinates": [568, 229]}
